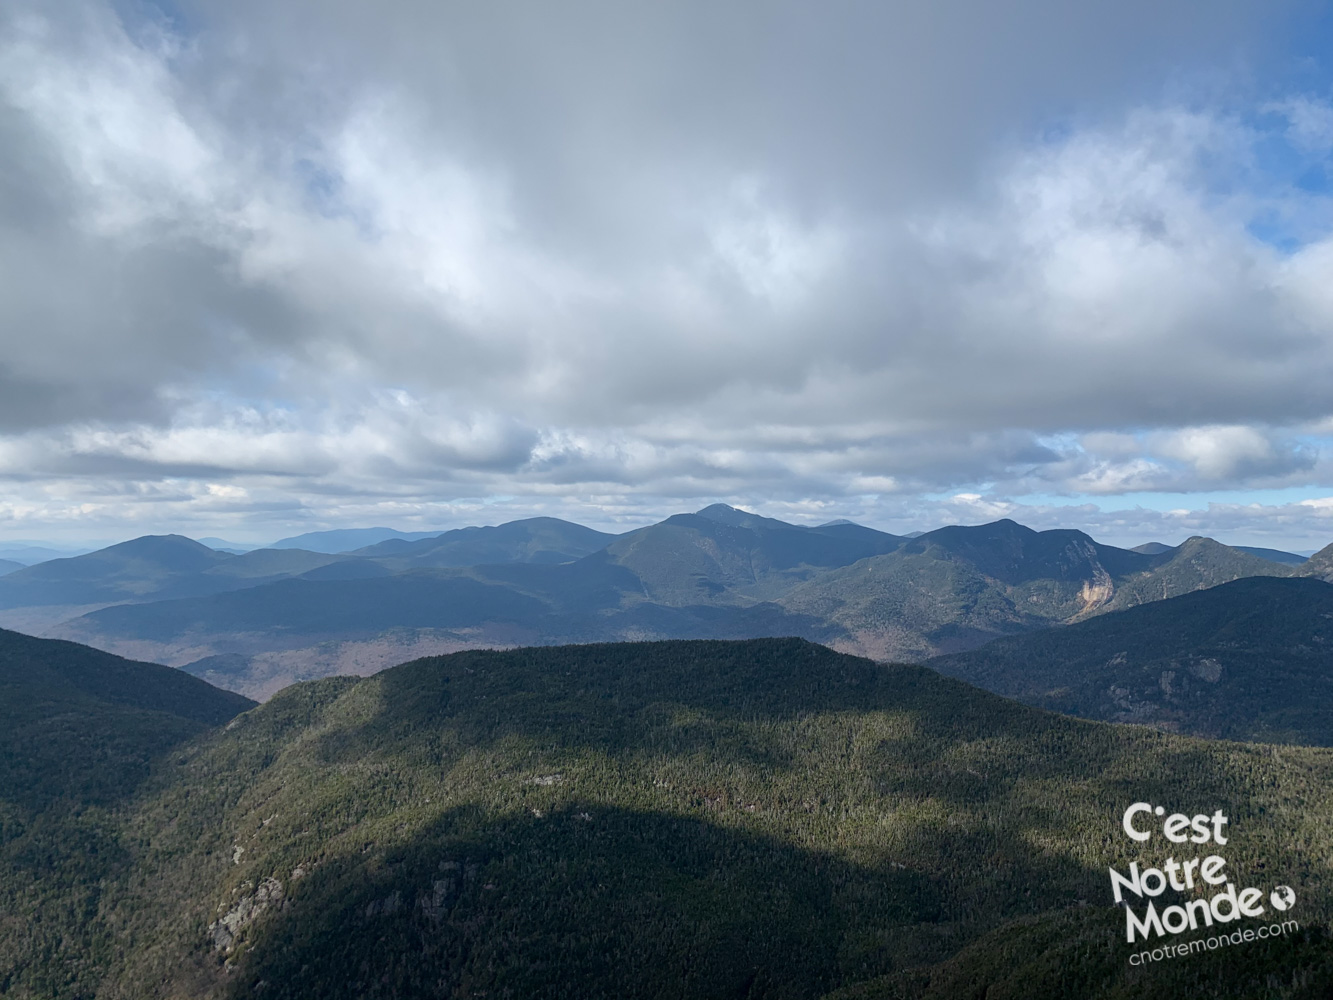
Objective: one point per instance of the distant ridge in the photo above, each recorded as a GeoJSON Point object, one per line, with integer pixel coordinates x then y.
{"type": "Point", "coordinates": [222, 545]}
{"type": "Point", "coordinates": [530, 540]}
{"type": "Point", "coordinates": [1273, 555]}
{"type": "Point", "coordinates": [149, 568]}
{"type": "Point", "coordinates": [339, 540]}
{"type": "Point", "coordinates": [1152, 548]}
{"type": "Point", "coordinates": [119, 572]}
{"type": "Point", "coordinates": [29, 553]}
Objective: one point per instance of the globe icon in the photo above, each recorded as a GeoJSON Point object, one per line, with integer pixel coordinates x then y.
{"type": "Point", "coordinates": [1282, 898]}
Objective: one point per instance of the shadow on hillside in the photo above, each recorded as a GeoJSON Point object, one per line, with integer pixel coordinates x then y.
{"type": "Point", "coordinates": [952, 742]}
{"type": "Point", "coordinates": [588, 901]}
{"type": "Point", "coordinates": [604, 889]}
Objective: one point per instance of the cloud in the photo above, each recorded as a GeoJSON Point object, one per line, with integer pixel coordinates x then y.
{"type": "Point", "coordinates": [453, 253]}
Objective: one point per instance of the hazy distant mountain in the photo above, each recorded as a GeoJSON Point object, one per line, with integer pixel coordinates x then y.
{"type": "Point", "coordinates": [1273, 555]}
{"type": "Point", "coordinates": [767, 820]}
{"type": "Point", "coordinates": [340, 540]}
{"type": "Point", "coordinates": [222, 545]}
{"type": "Point", "coordinates": [1250, 660]}
{"type": "Point", "coordinates": [532, 540]}
{"type": "Point", "coordinates": [259, 639]}
{"type": "Point", "coordinates": [132, 570]}
{"type": "Point", "coordinates": [9, 565]}
{"type": "Point", "coordinates": [1152, 548]}
{"type": "Point", "coordinates": [153, 567]}
{"type": "Point", "coordinates": [29, 553]}
{"type": "Point", "coordinates": [309, 609]}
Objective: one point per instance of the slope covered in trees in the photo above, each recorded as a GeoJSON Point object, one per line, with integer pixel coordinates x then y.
{"type": "Point", "coordinates": [1248, 660]}
{"type": "Point", "coordinates": [684, 819]}
{"type": "Point", "coordinates": [80, 732]}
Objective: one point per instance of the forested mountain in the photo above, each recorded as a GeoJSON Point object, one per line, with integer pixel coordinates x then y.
{"type": "Point", "coordinates": [726, 555]}
{"type": "Point", "coordinates": [1195, 564]}
{"type": "Point", "coordinates": [1248, 660]}
{"type": "Point", "coordinates": [759, 819]}
{"type": "Point", "coordinates": [27, 554]}
{"type": "Point", "coordinates": [75, 720]}
{"type": "Point", "coordinates": [80, 731]}
{"type": "Point", "coordinates": [9, 565]}
{"type": "Point", "coordinates": [258, 621]}
{"type": "Point", "coordinates": [1320, 565]}
{"type": "Point", "coordinates": [1152, 548]}
{"type": "Point", "coordinates": [958, 587]}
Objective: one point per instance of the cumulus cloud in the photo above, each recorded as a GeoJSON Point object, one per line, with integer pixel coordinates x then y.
{"type": "Point", "coordinates": [324, 258]}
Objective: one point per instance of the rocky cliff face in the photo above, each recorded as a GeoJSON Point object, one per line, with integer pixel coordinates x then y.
{"type": "Point", "coordinates": [1320, 565]}
{"type": "Point", "coordinates": [227, 929]}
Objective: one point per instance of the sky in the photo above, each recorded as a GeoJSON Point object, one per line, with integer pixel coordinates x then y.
{"type": "Point", "coordinates": [281, 266]}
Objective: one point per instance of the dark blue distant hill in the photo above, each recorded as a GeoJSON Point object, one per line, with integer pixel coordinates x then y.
{"type": "Point", "coordinates": [1247, 660]}
{"type": "Point", "coordinates": [530, 540]}
{"type": "Point", "coordinates": [1274, 555]}
{"type": "Point", "coordinates": [340, 540]}
{"type": "Point", "coordinates": [153, 567]}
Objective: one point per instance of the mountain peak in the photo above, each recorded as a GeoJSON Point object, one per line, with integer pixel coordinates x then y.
{"type": "Point", "coordinates": [171, 552]}
{"type": "Point", "coordinates": [722, 513]}
{"type": "Point", "coordinates": [1003, 528]}
{"type": "Point", "coordinates": [158, 543]}
{"type": "Point", "coordinates": [1196, 542]}
{"type": "Point", "coordinates": [720, 510]}
{"type": "Point", "coordinates": [1152, 548]}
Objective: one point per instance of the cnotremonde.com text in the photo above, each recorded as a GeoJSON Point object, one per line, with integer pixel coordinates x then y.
{"type": "Point", "coordinates": [1222, 907]}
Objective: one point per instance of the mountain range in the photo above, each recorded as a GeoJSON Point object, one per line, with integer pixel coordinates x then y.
{"type": "Point", "coordinates": [759, 819]}
{"type": "Point", "coordinates": [258, 621]}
